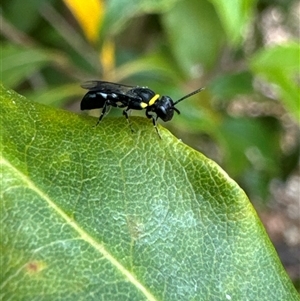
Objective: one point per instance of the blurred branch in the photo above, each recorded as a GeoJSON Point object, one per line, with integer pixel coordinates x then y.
{"type": "Point", "coordinates": [69, 34]}
{"type": "Point", "coordinates": [13, 34]}
{"type": "Point", "coordinates": [20, 38]}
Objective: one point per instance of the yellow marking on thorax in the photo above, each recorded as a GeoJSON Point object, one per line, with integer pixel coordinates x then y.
{"type": "Point", "coordinates": [153, 99]}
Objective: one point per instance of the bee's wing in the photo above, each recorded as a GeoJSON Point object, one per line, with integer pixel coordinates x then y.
{"type": "Point", "coordinates": [106, 87]}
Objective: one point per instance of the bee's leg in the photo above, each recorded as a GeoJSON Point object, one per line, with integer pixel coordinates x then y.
{"type": "Point", "coordinates": [104, 109]}
{"type": "Point", "coordinates": [125, 113]}
{"type": "Point", "coordinates": [154, 119]}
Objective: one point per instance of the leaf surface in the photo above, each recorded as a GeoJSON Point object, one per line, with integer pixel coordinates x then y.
{"type": "Point", "coordinates": [99, 213]}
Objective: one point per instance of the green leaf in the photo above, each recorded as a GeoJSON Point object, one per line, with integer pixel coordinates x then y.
{"type": "Point", "coordinates": [235, 16]}
{"type": "Point", "coordinates": [195, 35]}
{"type": "Point", "coordinates": [57, 95]}
{"type": "Point", "coordinates": [280, 65]}
{"type": "Point", "coordinates": [253, 146]}
{"type": "Point", "coordinates": [119, 12]}
{"type": "Point", "coordinates": [225, 87]}
{"type": "Point", "coordinates": [91, 213]}
{"type": "Point", "coordinates": [20, 62]}
{"type": "Point", "coordinates": [254, 159]}
{"type": "Point", "coordinates": [156, 63]}
{"type": "Point", "coordinates": [23, 20]}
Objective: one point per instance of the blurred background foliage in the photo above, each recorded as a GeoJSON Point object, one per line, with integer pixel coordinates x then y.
{"type": "Point", "coordinates": [245, 52]}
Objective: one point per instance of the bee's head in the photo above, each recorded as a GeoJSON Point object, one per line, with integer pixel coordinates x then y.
{"type": "Point", "coordinates": [164, 108]}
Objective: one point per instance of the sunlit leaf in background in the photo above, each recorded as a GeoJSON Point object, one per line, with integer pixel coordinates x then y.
{"type": "Point", "coordinates": [89, 14]}
{"type": "Point", "coordinates": [107, 57]}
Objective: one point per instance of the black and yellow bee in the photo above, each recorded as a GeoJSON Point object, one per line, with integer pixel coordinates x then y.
{"type": "Point", "coordinates": [105, 95]}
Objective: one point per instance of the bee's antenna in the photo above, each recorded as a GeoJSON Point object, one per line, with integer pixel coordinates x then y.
{"type": "Point", "coordinates": [186, 96]}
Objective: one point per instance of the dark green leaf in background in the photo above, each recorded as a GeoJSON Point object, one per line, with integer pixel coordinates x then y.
{"type": "Point", "coordinates": [280, 65]}
{"type": "Point", "coordinates": [252, 143]}
{"type": "Point", "coordinates": [226, 87]}
{"type": "Point", "coordinates": [253, 160]}
{"type": "Point", "coordinates": [19, 62]}
{"type": "Point", "coordinates": [56, 96]}
{"type": "Point", "coordinates": [235, 16]}
{"type": "Point", "coordinates": [24, 19]}
{"type": "Point", "coordinates": [91, 213]}
{"type": "Point", "coordinates": [190, 26]}
{"type": "Point", "coordinates": [119, 12]}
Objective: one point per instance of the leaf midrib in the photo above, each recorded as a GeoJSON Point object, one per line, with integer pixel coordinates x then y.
{"type": "Point", "coordinates": [82, 234]}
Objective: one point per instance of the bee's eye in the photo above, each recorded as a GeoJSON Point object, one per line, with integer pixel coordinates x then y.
{"type": "Point", "coordinates": [162, 110]}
